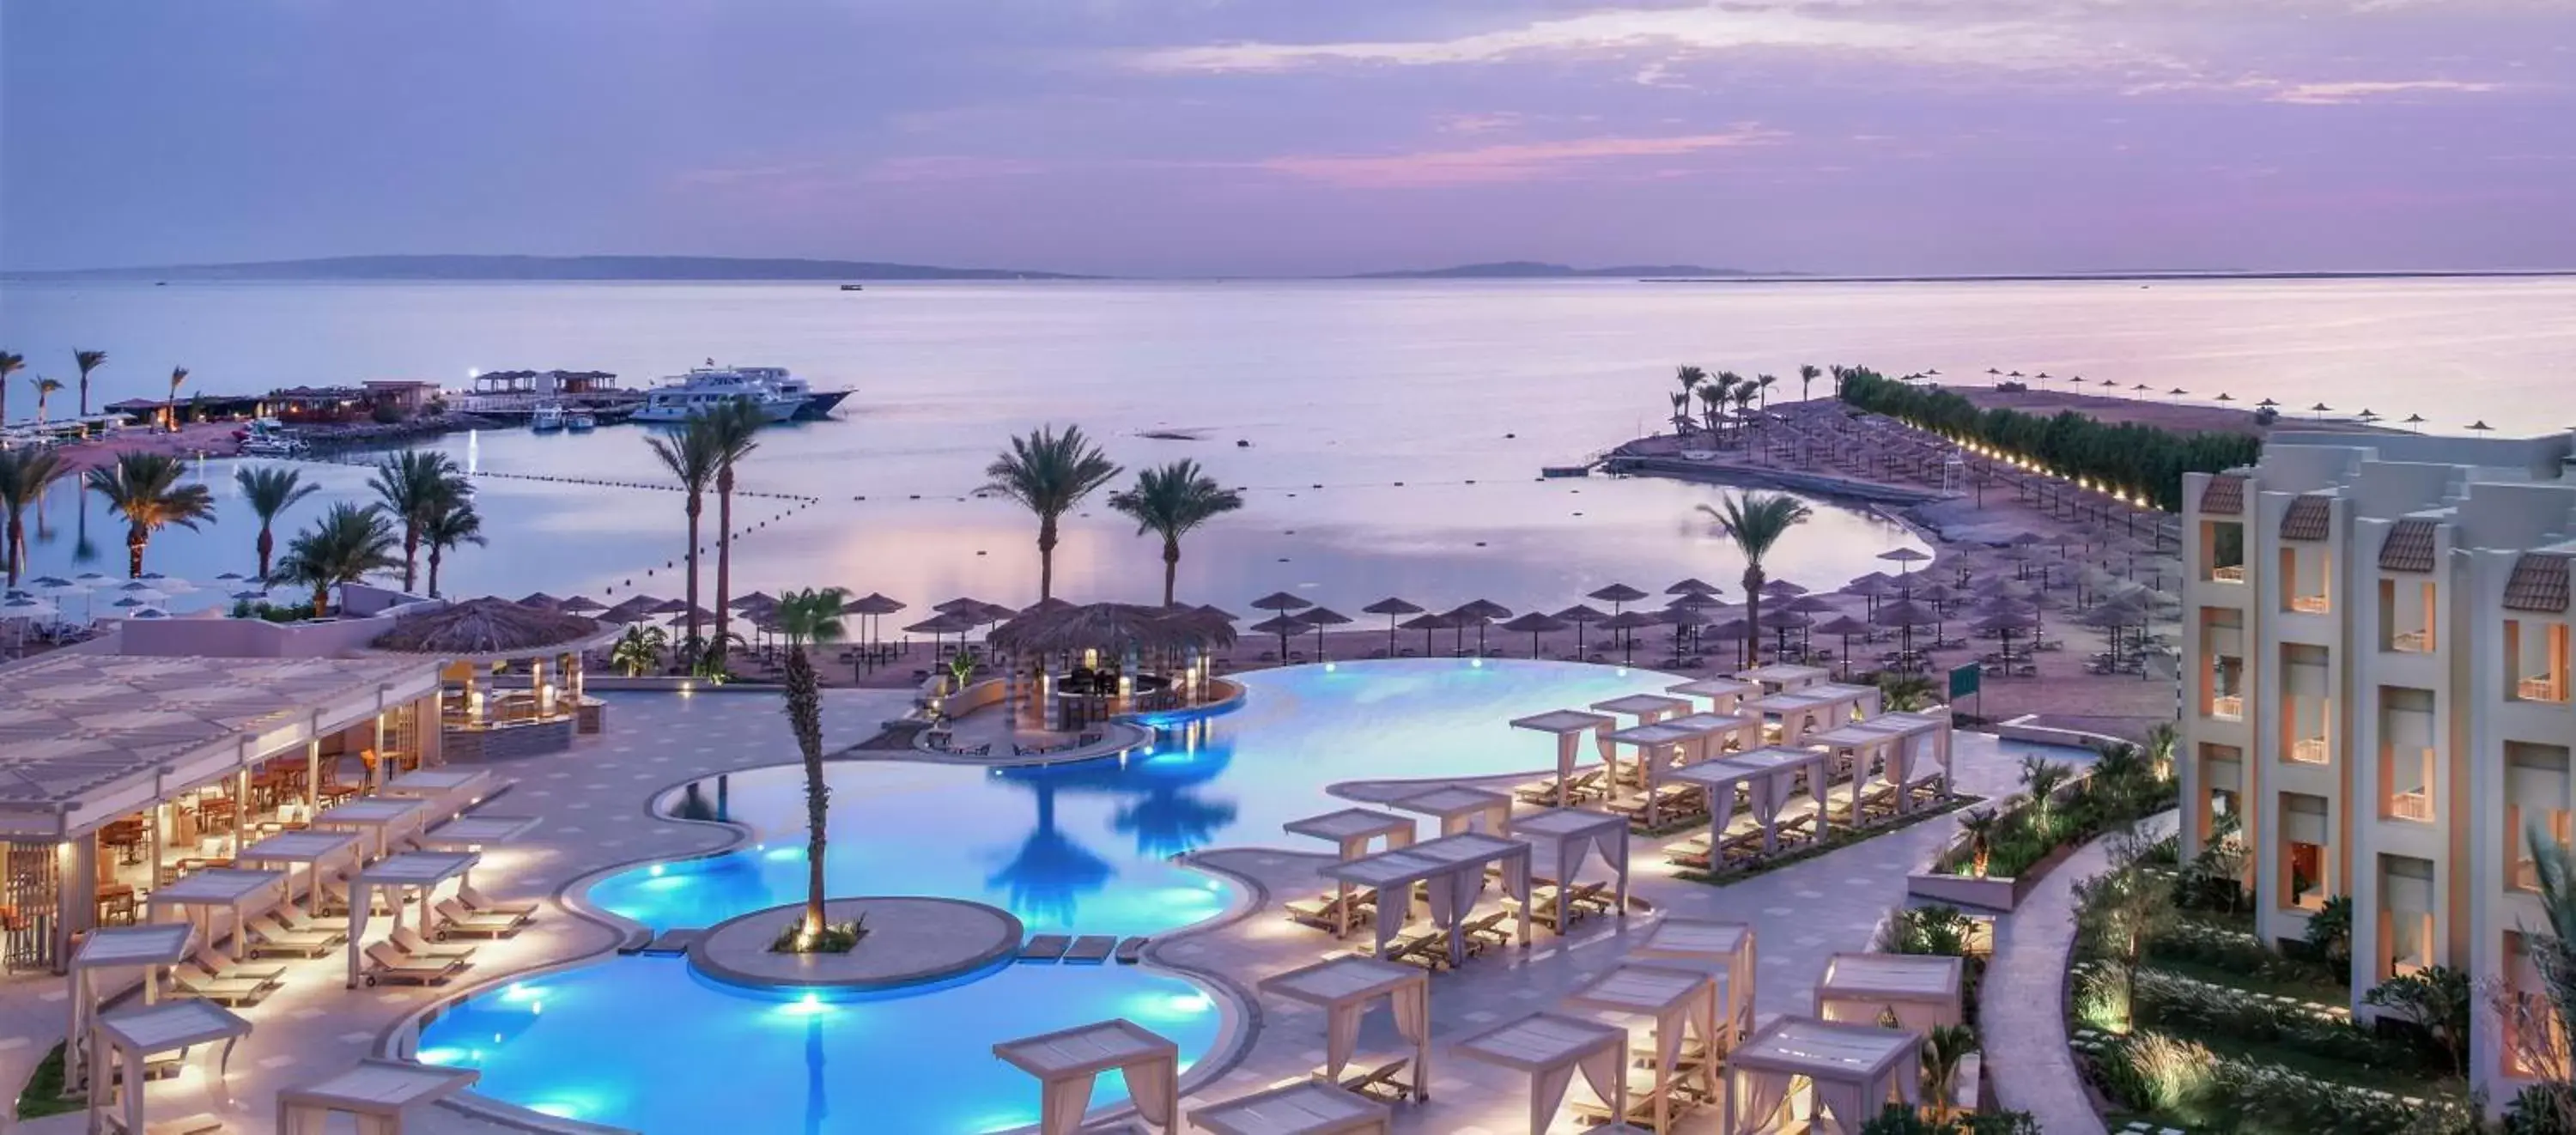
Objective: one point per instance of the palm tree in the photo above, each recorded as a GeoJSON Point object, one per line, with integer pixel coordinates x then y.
{"type": "Point", "coordinates": [1725, 383]}
{"type": "Point", "coordinates": [1745, 393]}
{"type": "Point", "coordinates": [734, 431]}
{"type": "Point", "coordinates": [2042, 778]}
{"type": "Point", "coordinates": [1690, 378]}
{"type": "Point", "coordinates": [145, 489]}
{"type": "Point", "coordinates": [1764, 384]}
{"type": "Point", "coordinates": [9, 364]}
{"type": "Point", "coordinates": [1980, 826]}
{"type": "Point", "coordinates": [1807, 376]}
{"type": "Point", "coordinates": [1171, 501]}
{"type": "Point", "coordinates": [2533, 1017]}
{"type": "Point", "coordinates": [639, 650]}
{"type": "Point", "coordinates": [45, 388]}
{"type": "Point", "coordinates": [1049, 473]}
{"type": "Point", "coordinates": [269, 492]}
{"type": "Point", "coordinates": [1756, 521]}
{"type": "Point", "coordinates": [413, 485]}
{"type": "Point", "coordinates": [171, 411]}
{"type": "Point", "coordinates": [1904, 693]}
{"type": "Point", "coordinates": [689, 454]}
{"type": "Point", "coordinates": [1943, 1050]}
{"type": "Point", "coordinates": [87, 361]}
{"type": "Point", "coordinates": [25, 475]}
{"type": "Point", "coordinates": [813, 614]}
{"type": "Point", "coordinates": [452, 524]}
{"type": "Point", "coordinates": [349, 543]}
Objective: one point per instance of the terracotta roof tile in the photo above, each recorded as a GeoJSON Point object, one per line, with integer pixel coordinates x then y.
{"type": "Point", "coordinates": [2310, 518]}
{"type": "Point", "coordinates": [2409, 547]}
{"type": "Point", "coordinates": [2224, 495]}
{"type": "Point", "coordinates": [2538, 583]}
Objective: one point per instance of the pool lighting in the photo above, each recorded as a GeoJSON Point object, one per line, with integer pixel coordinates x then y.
{"type": "Point", "coordinates": [559, 1109]}
{"type": "Point", "coordinates": [657, 870]}
{"type": "Point", "coordinates": [1189, 1004]}
{"type": "Point", "coordinates": [1329, 667]}
{"type": "Point", "coordinates": [522, 991]}
{"type": "Point", "coordinates": [783, 854]}
{"type": "Point", "coordinates": [810, 1005]}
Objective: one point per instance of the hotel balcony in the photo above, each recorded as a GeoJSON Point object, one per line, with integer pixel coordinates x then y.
{"type": "Point", "coordinates": [2228, 707]}
{"type": "Point", "coordinates": [2311, 604]}
{"type": "Point", "coordinates": [2543, 687]}
{"type": "Point", "coordinates": [2411, 642]}
{"type": "Point", "coordinates": [2417, 805]}
{"type": "Point", "coordinates": [2231, 574]}
{"type": "Point", "coordinates": [2309, 751]}
{"type": "Point", "coordinates": [2526, 875]}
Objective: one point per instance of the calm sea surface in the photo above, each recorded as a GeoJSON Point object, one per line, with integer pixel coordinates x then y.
{"type": "Point", "coordinates": [1460, 392]}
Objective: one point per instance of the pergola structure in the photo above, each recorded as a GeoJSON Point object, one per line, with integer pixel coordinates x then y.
{"type": "Point", "coordinates": [1569, 726]}
{"type": "Point", "coordinates": [1351, 831]}
{"type": "Point", "coordinates": [1919, 990]}
{"type": "Point", "coordinates": [1121, 658]}
{"type": "Point", "coordinates": [1067, 1061]}
{"type": "Point", "coordinates": [1660, 748]}
{"type": "Point", "coordinates": [1306, 1108]}
{"type": "Point", "coordinates": [1723, 694]}
{"type": "Point", "coordinates": [316, 850]}
{"type": "Point", "coordinates": [448, 791]}
{"type": "Point", "coordinates": [1461, 809]}
{"type": "Point", "coordinates": [1646, 708]}
{"type": "Point", "coordinates": [1769, 777]}
{"type": "Point", "coordinates": [1781, 677]}
{"type": "Point", "coordinates": [382, 819]}
{"type": "Point", "coordinates": [229, 889]}
{"type": "Point", "coordinates": [402, 875]}
{"type": "Point", "coordinates": [1454, 868]}
{"type": "Point", "coordinates": [1346, 988]}
{"type": "Point", "coordinates": [1562, 839]}
{"type": "Point", "coordinates": [379, 1094]}
{"type": "Point", "coordinates": [1896, 744]}
{"type": "Point", "coordinates": [1716, 734]}
{"type": "Point", "coordinates": [1852, 1072]}
{"type": "Point", "coordinates": [1552, 1049]}
{"type": "Point", "coordinates": [1678, 1004]}
{"type": "Point", "coordinates": [474, 833]}
{"type": "Point", "coordinates": [153, 947]}
{"type": "Point", "coordinates": [1816, 708]}
{"type": "Point", "coordinates": [130, 1038]}
{"type": "Point", "coordinates": [1721, 947]}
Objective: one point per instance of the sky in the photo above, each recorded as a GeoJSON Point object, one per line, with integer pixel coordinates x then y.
{"type": "Point", "coordinates": [1298, 137]}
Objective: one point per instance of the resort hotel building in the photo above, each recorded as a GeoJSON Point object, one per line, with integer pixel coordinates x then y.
{"type": "Point", "coordinates": [2376, 696]}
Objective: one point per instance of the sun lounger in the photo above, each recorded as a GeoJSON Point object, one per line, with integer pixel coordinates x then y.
{"type": "Point", "coordinates": [200, 1123]}
{"type": "Point", "coordinates": [1377, 1080]}
{"type": "Point", "coordinates": [216, 966]}
{"type": "Point", "coordinates": [410, 942]}
{"type": "Point", "coordinates": [275, 940]}
{"type": "Point", "coordinates": [392, 965]}
{"type": "Point", "coordinates": [480, 903]}
{"type": "Point", "coordinates": [1325, 913]}
{"type": "Point", "coordinates": [1581, 786]}
{"type": "Point", "coordinates": [221, 991]}
{"type": "Point", "coordinates": [1131, 951]}
{"type": "Point", "coordinates": [1090, 950]}
{"type": "Point", "coordinates": [459, 920]}
{"type": "Point", "coordinates": [1426, 948]}
{"type": "Point", "coordinates": [1481, 934]}
{"type": "Point", "coordinates": [1045, 947]}
{"type": "Point", "coordinates": [1593, 898]}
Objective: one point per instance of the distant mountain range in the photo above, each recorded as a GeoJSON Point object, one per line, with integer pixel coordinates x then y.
{"type": "Point", "coordinates": [545, 268]}
{"type": "Point", "coordinates": [1537, 270]}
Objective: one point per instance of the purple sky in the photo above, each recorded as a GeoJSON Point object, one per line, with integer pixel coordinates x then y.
{"type": "Point", "coordinates": [1196, 137]}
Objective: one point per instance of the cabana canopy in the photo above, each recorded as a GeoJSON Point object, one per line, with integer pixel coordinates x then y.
{"type": "Point", "coordinates": [221, 888]}
{"type": "Point", "coordinates": [471, 833]}
{"type": "Point", "coordinates": [449, 791]}
{"type": "Point", "coordinates": [1065, 1063]}
{"type": "Point", "coordinates": [1346, 988]}
{"type": "Point", "coordinates": [1855, 1069]}
{"type": "Point", "coordinates": [1646, 708]}
{"type": "Point", "coordinates": [1780, 677]}
{"type": "Point", "coordinates": [1919, 990]}
{"type": "Point", "coordinates": [380, 1093]}
{"type": "Point", "coordinates": [381, 817]}
{"type": "Point", "coordinates": [1769, 776]}
{"type": "Point", "coordinates": [1811, 709]}
{"type": "Point", "coordinates": [1723, 694]}
{"type": "Point", "coordinates": [1111, 628]}
{"type": "Point", "coordinates": [1551, 1049]}
{"type": "Point", "coordinates": [1306, 1108]}
{"type": "Point", "coordinates": [1454, 868]}
{"type": "Point", "coordinates": [151, 947]}
{"type": "Point", "coordinates": [1725, 947]}
{"type": "Point", "coordinates": [490, 629]}
{"type": "Point", "coordinates": [1462, 809]}
{"type": "Point", "coordinates": [399, 873]}
{"type": "Point", "coordinates": [134, 1036]}
{"type": "Point", "coordinates": [1561, 838]}
{"type": "Point", "coordinates": [1351, 830]}
{"type": "Point", "coordinates": [1569, 726]}
{"type": "Point", "coordinates": [314, 849]}
{"type": "Point", "coordinates": [1892, 742]}
{"type": "Point", "coordinates": [1679, 1002]}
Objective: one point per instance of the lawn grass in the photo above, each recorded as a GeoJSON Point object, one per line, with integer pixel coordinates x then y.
{"type": "Point", "coordinates": [2320, 992]}
{"type": "Point", "coordinates": [44, 1094]}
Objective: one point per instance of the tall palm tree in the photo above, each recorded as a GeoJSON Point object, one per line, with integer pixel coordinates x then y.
{"type": "Point", "coordinates": [1690, 378]}
{"type": "Point", "coordinates": [1049, 473]}
{"type": "Point", "coordinates": [144, 488]}
{"type": "Point", "coordinates": [348, 544]}
{"type": "Point", "coordinates": [453, 524]}
{"type": "Point", "coordinates": [810, 615]}
{"type": "Point", "coordinates": [689, 454]}
{"type": "Point", "coordinates": [269, 492]}
{"type": "Point", "coordinates": [87, 361]}
{"type": "Point", "coordinates": [25, 475]}
{"type": "Point", "coordinates": [1764, 384]}
{"type": "Point", "coordinates": [734, 432]}
{"type": "Point", "coordinates": [10, 364]}
{"type": "Point", "coordinates": [170, 412]}
{"type": "Point", "coordinates": [1807, 376]}
{"type": "Point", "coordinates": [413, 485]}
{"type": "Point", "coordinates": [1715, 396]}
{"type": "Point", "coordinates": [45, 388]}
{"type": "Point", "coordinates": [1170, 501]}
{"type": "Point", "coordinates": [1756, 521]}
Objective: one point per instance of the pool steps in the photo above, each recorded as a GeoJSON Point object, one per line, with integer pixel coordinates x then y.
{"type": "Point", "coordinates": [1085, 950]}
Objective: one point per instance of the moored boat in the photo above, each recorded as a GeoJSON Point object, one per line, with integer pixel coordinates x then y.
{"type": "Point", "coordinates": [547, 418]}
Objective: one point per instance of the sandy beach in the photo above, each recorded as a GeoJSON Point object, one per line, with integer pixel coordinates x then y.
{"type": "Point", "coordinates": [199, 439]}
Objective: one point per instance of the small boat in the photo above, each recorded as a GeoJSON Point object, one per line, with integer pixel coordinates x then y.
{"type": "Point", "coordinates": [853, 288]}
{"type": "Point", "coordinates": [581, 421]}
{"type": "Point", "coordinates": [547, 418]}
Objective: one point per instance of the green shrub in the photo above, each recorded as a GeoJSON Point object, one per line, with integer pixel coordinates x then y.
{"type": "Point", "coordinates": [1899, 1119]}
{"type": "Point", "coordinates": [2176, 1003]}
{"type": "Point", "coordinates": [45, 1093]}
{"type": "Point", "coordinates": [2540, 1109]}
{"type": "Point", "coordinates": [2233, 950]}
{"type": "Point", "coordinates": [2128, 457]}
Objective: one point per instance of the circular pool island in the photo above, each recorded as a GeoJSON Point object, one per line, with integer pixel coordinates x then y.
{"type": "Point", "coordinates": [910, 941]}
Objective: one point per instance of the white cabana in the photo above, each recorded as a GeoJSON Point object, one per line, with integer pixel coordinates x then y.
{"type": "Point", "coordinates": [1814, 709]}
{"type": "Point", "coordinates": [153, 947]}
{"type": "Point", "coordinates": [1907, 750]}
{"type": "Point", "coordinates": [1724, 694]}
{"type": "Point", "coordinates": [1346, 988]}
{"type": "Point", "coordinates": [400, 875]}
{"type": "Point", "coordinates": [1714, 735]}
{"type": "Point", "coordinates": [1307, 1108]}
{"type": "Point", "coordinates": [1659, 748]}
{"type": "Point", "coordinates": [474, 833]}
{"type": "Point", "coordinates": [1850, 1073]}
{"type": "Point", "coordinates": [1720, 947]}
{"type": "Point", "coordinates": [132, 1037]}
{"type": "Point", "coordinates": [1678, 1005]}
{"type": "Point", "coordinates": [1067, 1061]}
{"type": "Point", "coordinates": [1569, 726]}
{"type": "Point", "coordinates": [382, 819]}
{"type": "Point", "coordinates": [379, 1094]}
{"type": "Point", "coordinates": [1918, 990]}
{"type": "Point", "coordinates": [1781, 677]}
{"type": "Point", "coordinates": [1561, 839]}
{"type": "Point", "coordinates": [1551, 1049]}
{"type": "Point", "coordinates": [1454, 869]}
{"type": "Point", "coordinates": [229, 889]}
{"type": "Point", "coordinates": [317, 851]}
{"type": "Point", "coordinates": [1350, 831]}
{"type": "Point", "coordinates": [1646, 708]}
{"type": "Point", "coordinates": [1461, 809]}
{"type": "Point", "coordinates": [1769, 778]}
{"type": "Point", "coordinates": [450, 790]}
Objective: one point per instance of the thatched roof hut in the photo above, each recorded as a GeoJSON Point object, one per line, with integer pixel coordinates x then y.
{"type": "Point", "coordinates": [490, 628]}
{"type": "Point", "coordinates": [1112, 628]}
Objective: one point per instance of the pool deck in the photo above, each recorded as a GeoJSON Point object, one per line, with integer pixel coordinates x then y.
{"type": "Point", "coordinates": [593, 806]}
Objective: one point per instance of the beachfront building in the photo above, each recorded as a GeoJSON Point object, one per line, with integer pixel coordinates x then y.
{"type": "Point", "coordinates": [2377, 702]}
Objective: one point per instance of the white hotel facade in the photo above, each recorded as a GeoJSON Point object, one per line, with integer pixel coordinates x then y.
{"type": "Point", "coordinates": [2377, 630]}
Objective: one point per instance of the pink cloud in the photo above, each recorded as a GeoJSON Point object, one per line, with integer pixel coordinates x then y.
{"type": "Point", "coordinates": [1526, 161]}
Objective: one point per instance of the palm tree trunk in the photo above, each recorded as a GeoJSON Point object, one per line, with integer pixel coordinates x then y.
{"type": "Point", "coordinates": [724, 556]}
{"type": "Point", "coordinates": [267, 544]}
{"type": "Point", "coordinates": [1753, 582]}
{"type": "Point", "coordinates": [84, 394]}
{"type": "Point", "coordinates": [1046, 558]}
{"type": "Point", "coordinates": [136, 536]}
{"type": "Point", "coordinates": [411, 554]}
{"type": "Point", "coordinates": [433, 571]}
{"type": "Point", "coordinates": [1171, 567]}
{"type": "Point", "coordinates": [697, 506]}
{"type": "Point", "coordinates": [17, 549]}
{"type": "Point", "coordinates": [321, 599]}
{"type": "Point", "coordinates": [805, 719]}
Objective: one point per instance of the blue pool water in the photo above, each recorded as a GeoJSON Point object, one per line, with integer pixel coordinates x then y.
{"type": "Point", "coordinates": [1084, 847]}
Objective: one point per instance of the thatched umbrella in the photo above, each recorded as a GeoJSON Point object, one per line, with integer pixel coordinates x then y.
{"type": "Point", "coordinates": [634, 610]}
{"type": "Point", "coordinates": [1217, 613]}
{"type": "Point", "coordinates": [1844, 626]}
{"type": "Point", "coordinates": [1111, 628]}
{"type": "Point", "coordinates": [1905, 559]}
{"type": "Point", "coordinates": [1283, 625]}
{"type": "Point", "coordinates": [1319, 618]}
{"type": "Point", "coordinates": [967, 605]}
{"type": "Point", "coordinates": [1427, 623]}
{"type": "Point", "coordinates": [1479, 612]}
{"type": "Point", "coordinates": [942, 625]}
{"type": "Point", "coordinates": [872, 606]}
{"type": "Point", "coordinates": [2005, 625]}
{"type": "Point", "coordinates": [1904, 615]}
{"type": "Point", "coordinates": [540, 599]}
{"type": "Point", "coordinates": [1782, 589]}
{"type": "Point", "coordinates": [485, 627]}
{"type": "Point", "coordinates": [1280, 601]}
{"type": "Point", "coordinates": [581, 605]}
{"type": "Point", "coordinates": [1580, 616]}
{"type": "Point", "coordinates": [1392, 608]}
{"type": "Point", "coordinates": [1617, 595]}
{"type": "Point", "coordinates": [1534, 624]}
{"type": "Point", "coordinates": [1627, 622]}
{"type": "Point", "coordinates": [1692, 586]}
{"type": "Point", "coordinates": [1871, 588]}
{"type": "Point", "coordinates": [757, 599]}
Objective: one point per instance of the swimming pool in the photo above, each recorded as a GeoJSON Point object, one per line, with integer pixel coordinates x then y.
{"type": "Point", "coordinates": [1083, 847]}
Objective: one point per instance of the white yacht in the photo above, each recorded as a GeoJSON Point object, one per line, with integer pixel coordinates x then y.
{"type": "Point", "coordinates": [547, 418]}
{"type": "Point", "coordinates": [707, 387]}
